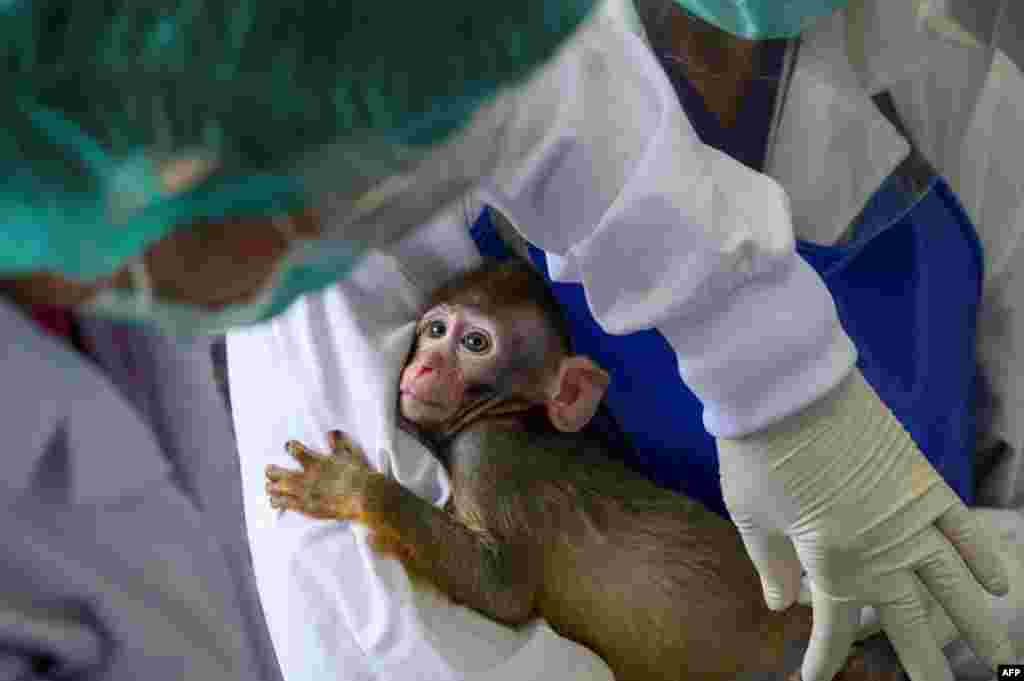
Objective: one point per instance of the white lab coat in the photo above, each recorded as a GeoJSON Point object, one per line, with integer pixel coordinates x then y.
{"type": "Point", "coordinates": [123, 552]}
{"type": "Point", "coordinates": [608, 177]}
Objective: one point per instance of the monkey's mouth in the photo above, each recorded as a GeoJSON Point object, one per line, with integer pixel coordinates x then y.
{"type": "Point", "coordinates": [422, 412]}
{"type": "Point", "coordinates": [413, 396]}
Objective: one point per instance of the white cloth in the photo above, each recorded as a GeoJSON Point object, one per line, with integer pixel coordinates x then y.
{"type": "Point", "coordinates": [335, 609]}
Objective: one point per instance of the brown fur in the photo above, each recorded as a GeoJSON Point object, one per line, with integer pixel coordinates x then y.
{"type": "Point", "coordinates": [548, 525]}
{"type": "Point", "coordinates": [652, 581]}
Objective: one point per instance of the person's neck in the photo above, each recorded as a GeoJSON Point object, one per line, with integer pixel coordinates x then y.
{"type": "Point", "coordinates": [719, 65]}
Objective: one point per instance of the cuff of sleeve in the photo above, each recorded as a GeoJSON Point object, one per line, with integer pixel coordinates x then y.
{"type": "Point", "coordinates": [768, 349]}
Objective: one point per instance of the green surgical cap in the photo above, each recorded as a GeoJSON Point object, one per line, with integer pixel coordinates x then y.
{"type": "Point", "coordinates": [99, 95]}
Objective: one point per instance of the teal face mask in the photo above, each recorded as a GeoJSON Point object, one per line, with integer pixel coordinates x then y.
{"type": "Point", "coordinates": [762, 19]}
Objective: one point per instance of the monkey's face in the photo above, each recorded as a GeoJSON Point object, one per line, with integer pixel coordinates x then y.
{"type": "Point", "coordinates": [465, 359]}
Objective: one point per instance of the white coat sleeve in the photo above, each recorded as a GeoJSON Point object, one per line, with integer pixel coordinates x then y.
{"type": "Point", "coordinates": [665, 232]}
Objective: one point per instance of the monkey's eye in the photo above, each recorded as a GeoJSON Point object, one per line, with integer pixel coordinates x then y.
{"type": "Point", "coordinates": [476, 342]}
{"type": "Point", "coordinates": [436, 329]}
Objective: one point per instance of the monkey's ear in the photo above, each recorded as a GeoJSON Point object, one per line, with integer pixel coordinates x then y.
{"type": "Point", "coordinates": [576, 393]}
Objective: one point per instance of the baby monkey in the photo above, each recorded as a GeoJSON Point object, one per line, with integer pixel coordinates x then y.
{"type": "Point", "coordinates": [543, 521]}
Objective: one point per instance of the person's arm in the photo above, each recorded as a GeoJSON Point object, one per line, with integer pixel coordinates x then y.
{"type": "Point", "coordinates": [664, 232]}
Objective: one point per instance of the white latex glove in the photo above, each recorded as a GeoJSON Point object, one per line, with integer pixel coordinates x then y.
{"type": "Point", "coordinates": [842, 489]}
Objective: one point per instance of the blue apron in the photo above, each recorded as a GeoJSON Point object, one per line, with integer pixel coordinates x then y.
{"type": "Point", "coordinates": [907, 289]}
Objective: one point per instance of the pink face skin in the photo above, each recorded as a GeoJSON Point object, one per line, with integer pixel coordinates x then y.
{"type": "Point", "coordinates": [458, 347]}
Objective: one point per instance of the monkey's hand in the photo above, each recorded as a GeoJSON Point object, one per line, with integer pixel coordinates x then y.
{"type": "Point", "coordinates": [329, 487]}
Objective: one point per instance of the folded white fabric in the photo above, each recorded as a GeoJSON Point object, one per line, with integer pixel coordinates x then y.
{"type": "Point", "coordinates": [335, 609]}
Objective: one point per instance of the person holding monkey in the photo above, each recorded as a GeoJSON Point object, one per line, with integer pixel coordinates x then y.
{"type": "Point", "coordinates": [199, 168]}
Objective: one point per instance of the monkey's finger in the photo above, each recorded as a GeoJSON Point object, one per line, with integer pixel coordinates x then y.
{"type": "Point", "coordinates": [338, 441]}
{"type": "Point", "coordinates": [282, 502]}
{"type": "Point", "coordinates": [289, 502]}
{"type": "Point", "coordinates": [293, 486]}
{"type": "Point", "coordinates": [342, 446]}
{"type": "Point", "coordinates": [277, 472]}
{"type": "Point", "coordinates": [301, 453]}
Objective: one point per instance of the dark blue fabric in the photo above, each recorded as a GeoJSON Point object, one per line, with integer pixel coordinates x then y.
{"type": "Point", "coordinates": [485, 235]}
{"type": "Point", "coordinates": [907, 291]}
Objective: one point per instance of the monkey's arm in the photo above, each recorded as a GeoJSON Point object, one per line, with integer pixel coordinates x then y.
{"type": "Point", "coordinates": [472, 566]}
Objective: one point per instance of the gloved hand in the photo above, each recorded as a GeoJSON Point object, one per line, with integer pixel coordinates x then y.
{"type": "Point", "coordinates": [842, 489]}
